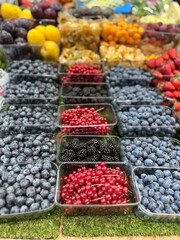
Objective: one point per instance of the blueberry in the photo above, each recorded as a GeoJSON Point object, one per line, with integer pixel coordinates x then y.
{"type": "Point", "coordinates": [2, 192]}
{"type": "Point", "coordinates": [23, 209]}
{"type": "Point", "coordinates": [34, 207]}
{"type": "Point", "coordinates": [44, 193]}
{"type": "Point", "coordinates": [25, 183]}
{"type": "Point", "coordinates": [20, 200]}
{"type": "Point", "coordinates": [4, 211]}
{"type": "Point", "coordinates": [46, 185]}
{"type": "Point", "coordinates": [38, 198]}
{"type": "Point", "coordinates": [10, 198]}
{"type": "Point", "coordinates": [29, 201]}
{"type": "Point", "coordinates": [30, 191]}
{"type": "Point", "coordinates": [34, 170]}
{"type": "Point", "coordinates": [45, 204]}
{"type": "Point", "coordinates": [2, 203]}
{"type": "Point", "coordinates": [45, 174]}
{"type": "Point", "coordinates": [51, 197]}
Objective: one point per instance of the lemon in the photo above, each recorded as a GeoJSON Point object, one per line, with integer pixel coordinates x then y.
{"type": "Point", "coordinates": [41, 28]}
{"type": "Point", "coordinates": [50, 50]}
{"type": "Point", "coordinates": [52, 33]}
{"type": "Point", "coordinates": [8, 11]}
{"type": "Point", "coordinates": [26, 13]}
{"type": "Point", "coordinates": [17, 11]}
{"type": "Point", "coordinates": [35, 37]}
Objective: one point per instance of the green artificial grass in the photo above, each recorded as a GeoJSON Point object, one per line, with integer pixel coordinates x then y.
{"type": "Point", "coordinates": [44, 227]}
{"type": "Point", "coordinates": [122, 225]}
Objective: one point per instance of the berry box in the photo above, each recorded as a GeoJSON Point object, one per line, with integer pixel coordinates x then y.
{"type": "Point", "coordinates": [28, 190]}
{"type": "Point", "coordinates": [77, 93]}
{"type": "Point", "coordinates": [86, 119]}
{"type": "Point", "coordinates": [89, 148]}
{"type": "Point", "coordinates": [158, 190]}
{"type": "Point", "coordinates": [151, 152]}
{"type": "Point", "coordinates": [97, 208]}
{"type": "Point", "coordinates": [136, 120]}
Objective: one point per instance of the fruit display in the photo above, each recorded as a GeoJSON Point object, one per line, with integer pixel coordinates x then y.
{"type": "Point", "coordinates": [27, 188]}
{"type": "Point", "coordinates": [9, 11]}
{"type": "Point", "coordinates": [121, 33]}
{"type": "Point", "coordinates": [30, 115]}
{"type": "Point", "coordinates": [81, 149]}
{"type": "Point", "coordinates": [81, 33]}
{"type": "Point", "coordinates": [120, 54]}
{"type": "Point", "coordinates": [151, 152]}
{"type": "Point", "coordinates": [34, 68]}
{"type": "Point", "coordinates": [159, 190]}
{"type": "Point", "coordinates": [83, 72]}
{"type": "Point", "coordinates": [135, 95]}
{"type": "Point", "coordinates": [79, 54]}
{"type": "Point", "coordinates": [147, 121]}
{"type": "Point", "coordinates": [86, 119]}
{"type": "Point", "coordinates": [72, 93]}
{"type": "Point", "coordinates": [95, 185]}
{"type": "Point", "coordinates": [23, 148]}
{"type": "Point", "coordinates": [121, 76]}
{"type": "Point", "coordinates": [92, 13]}
{"type": "Point", "coordinates": [14, 31]}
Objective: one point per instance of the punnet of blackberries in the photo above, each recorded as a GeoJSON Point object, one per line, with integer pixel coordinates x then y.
{"type": "Point", "coordinates": [93, 150]}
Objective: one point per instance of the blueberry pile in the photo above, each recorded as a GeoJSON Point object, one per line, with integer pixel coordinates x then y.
{"type": "Point", "coordinates": [160, 190]}
{"type": "Point", "coordinates": [122, 76]}
{"type": "Point", "coordinates": [29, 67]}
{"type": "Point", "coordinates": [146, 121]}
{"type": "Point", "coordinates": [28, 115]}
{"type": "Point", "coordinates": [85, 94]}
{"type": "Point", "coordinates": [91, 151]}
{"type": "Point", "coordinates": [135, 94]}
{"type": "Point", "coordinates": [151, 151]}
{"type": "Point", "coordinates": [25, 91]}
{"type": "Point", "coordinates": [27, 188]}
{"type": "Point", "coordinates": [22, 148]}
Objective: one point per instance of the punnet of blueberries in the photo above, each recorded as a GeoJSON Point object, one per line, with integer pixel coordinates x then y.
{"type": "Point", "coordinates": [81, 149]}
{"type": "Point", "coordinates": [135, 95]}
{"type": "Point", "coordinates": [28, 115]}
{"type": "Point", "coordinates": [27, 187]}
{"type": "Point", "coordinates": [20, 148]}
{"type": "Point", "coordinates": [151, 151]}
{"type": "Point", "coordinates": [122, 76]}
{"type": "Point", "coordinates": [146, 121]}
{"type": "Point", "coordinates": [159, 190]}
{"type": "Point", "coordinates": [29, 67]}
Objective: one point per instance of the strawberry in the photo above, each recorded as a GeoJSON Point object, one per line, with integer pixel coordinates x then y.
{"type": "Point", "coordinates": [177, 94]}
{"type": "Point", "coordinates": [175, 72]}
{"type": "Point", "coordinates": [171, 64]}
{"type": "Point", "coordinates": [177, 63]}
{"type": "Point", "coordinates": [176, 84]}
{"type": "Point", "coordinates": [154, 82]}
{"type": "Point", "coordinates": [151, 63]}
{"type": "Point", "coordinates": [169, 94]}
{"type": "Point", "coordinates": [165, 56]}
{"type": "Point", "coordinates": [172, 53]}
{"type": "Point", "coordinates": [159, 61]}
{"type": "Point", "coordinates": [158, 74]}
{"type": "Point", "coordinates": [168, 86]}
{"type": "Point", "coordinates": [177, 106]}
{"type": "Point", "coordinates": [166, 69]}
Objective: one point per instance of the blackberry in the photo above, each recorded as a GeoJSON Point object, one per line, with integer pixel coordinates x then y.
{"type": "Point", "coordinates": [81, 154]}
{"type": "Point", "coordinates": [70, 154]}
{"type": "Point", "coordinates": [91, 150]}
{"type": "Point", "coordinates": [107, 158]}
{"type": "Point", "coordinates": [93, 158]}
{"type": "Point", "coordinates": [116, 159]}
{"type": "Point", "coordinates": [106, 150]}
{"type": "Point", "coordinates": [67, 146]}
{"type": "Point", "coordinates": [74, 144]}
{"type": "Point", "coordinates": [65, 159]}
{"type": "Point", "coordinates": [82, 146]}
{"type": "Point", "coordinates": [94, 142]}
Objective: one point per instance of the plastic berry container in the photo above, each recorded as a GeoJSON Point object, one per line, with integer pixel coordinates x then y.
{"type": "Point", "coordinates": [35, 213]}
{"type": "Point", "coordinates": [135, 130]}
{"type": "Point", "coordinates": [105, 110]}
{"type": "Point", "coordinates": [84, 139]}
{"type": "Point", "coordinates": [99, 93]}
{"type": "Point", "coordinates": [145, 214]}
{"type": "Point", "coordinates": [67, 168]}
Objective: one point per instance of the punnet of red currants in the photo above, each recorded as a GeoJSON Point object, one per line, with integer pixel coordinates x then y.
{"type": "Point", "coordinates": [98, 185]}
{"type": "Point", "coordinates": [83, 72]}
{"type": "Point", "coordinates": [83, 120]}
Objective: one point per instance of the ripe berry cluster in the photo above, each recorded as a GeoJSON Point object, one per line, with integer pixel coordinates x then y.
{"type": "Point", "coordinates": [160, 190]}
{"type": "Point", "coordinates": [83, 72]}
{"type": "Point", "coordinates": [83, 120]}
{"type": "Point", "coordinates": [93, 150]}
{"type": "Point", "coordinates": [99, 185]}
{"type": "Point", "coordinates": [27, 188]}
{"type": "Point", "coordinates": [151, 151]}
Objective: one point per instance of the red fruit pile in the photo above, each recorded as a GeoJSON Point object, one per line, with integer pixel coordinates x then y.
{"type": "Point", "coordinates": [83, 121]}
{"type": "Point", "coordinates": [99, 185]}
{"type": "Point", "coordinates": [166, 66]}
{"type": "Point", "coordinates": [83, 72]}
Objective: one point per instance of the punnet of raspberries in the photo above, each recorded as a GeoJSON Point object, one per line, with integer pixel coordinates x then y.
{"type": "Point", "coordinates": [83, 72]}
{"type": "Point", "coordinates": [83, 120]}
{"type": "Point", "coordinates": [98, 185]}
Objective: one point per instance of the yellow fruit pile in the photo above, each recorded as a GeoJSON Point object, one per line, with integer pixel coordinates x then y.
{"type": "Point", "coordinates": [48, 36]}
{"type": "Point", "coordinates": [13, 11]}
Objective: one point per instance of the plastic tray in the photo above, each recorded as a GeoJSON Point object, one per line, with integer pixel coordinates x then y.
{"type": "Point", "coordinates": [67, 168]}
{"type": "Point", "coordinates": [67, 138]}
{"type": "Point", "coordinates": [105, 110]}
{"type": "Point", "coordinates": [31, 214]}
{"type": "Point", "coordinates": [70, 99]}
{"type": "Point", "coordinates": [144, 214]}
{"type": "Point", "coordinates": [144, 131]}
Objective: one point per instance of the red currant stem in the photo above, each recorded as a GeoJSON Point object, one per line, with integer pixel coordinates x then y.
{"type": "Point", "coordinates": [97, 199]}
{"type": "Point", "coordinates": [107, 176]}
{"type": "Point", "coordinates": [100, 109]}
{"type": "Point", "coordinates": [97, 185]}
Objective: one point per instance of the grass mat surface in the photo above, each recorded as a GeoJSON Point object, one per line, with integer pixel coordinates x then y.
{"type": "Point", "coordinates": [126, 225]}
{"type": "Point", "coordinates": [44, 227]}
